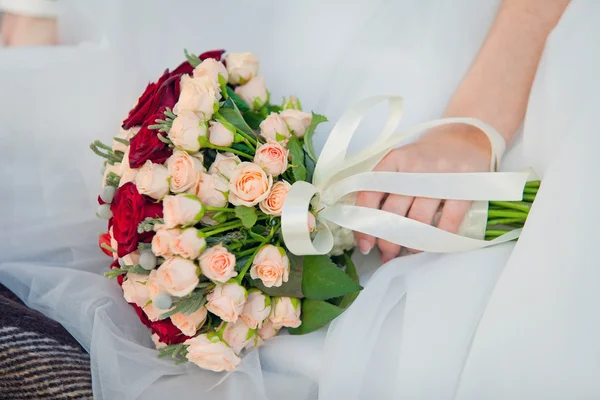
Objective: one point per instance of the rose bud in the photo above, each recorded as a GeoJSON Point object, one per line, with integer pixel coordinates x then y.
{"type": "Point", "coordinates": [254, 93]}
{"type": "Point", "coordinates": [134, 289]}
{"type": "Point", "coordinates": [275, 128]}
{"type": "Point", "coordinates": [189, 324]}
{"type": "Point", "coordinates": [227, 301]}
{"type": "Point", "coordinates": [189, 244]}
{"type": "Point", "coordinates": [312, 222]}
{"type": "Point", "coordinates": [271, 265]}
{"type": "Point", "coordinates": [249, 185]}
{"type": "Point", "coordinates": [272, 157]}
{"type": "Point", "coordinates": [183, 170]}
{"type": "Point", "coordinates": [212, 190]}
{"type": "Point", "coordinates": [241, 67]}
{"type": "Point", "coordinates": [273, 204]}
{"type": "Point", "coordinates": [209, 352]}
{"type": "Point", "coordinates": [105, 238]}
{"type": "Point", "coordinates": [152, 180]}
{"type": "Point", "coordinates": [211, 69]}
{"type": "Point", "coordinates": [224, 165]}
{"type": "Point", "coordinates": [297, 121]}
{"type": "Point", "coordinates": [238, 335]}
{"type": "Point", "coordinates": [177, 276]}
{"type": "Point", "coordinates": [257, 309]}
{"type": "Point", "coordinates": [292, 103]}
{"type": "Point", "coordinates": [161, 242]}
{"type": "Point", "coordinates": [186, 130]}
{"type": "Point", "coordinates": [219, 135]}
{"type": "Point", "coordinates": [285, 312]}
{"type": "Point", "coordinates": [198, 95]}
{"type": "Point", "coordinates": [218, 264]}
{"type": "Point", "coordinates": [268, 331]}
{"type": "Point", "coordinates": [183, 210]}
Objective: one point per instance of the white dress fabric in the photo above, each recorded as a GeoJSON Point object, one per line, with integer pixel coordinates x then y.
{"type": "Point", "coordinates": [510, 322]}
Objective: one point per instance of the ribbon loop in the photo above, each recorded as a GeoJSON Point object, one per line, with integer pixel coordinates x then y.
{"type": "Point", "coordinates": [337, 176]}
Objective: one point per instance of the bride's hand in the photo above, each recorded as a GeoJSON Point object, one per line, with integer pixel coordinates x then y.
{"type": "Point", "coordinates": [453, 148]}
{"type": "Point", "coordinates": [23, 30]}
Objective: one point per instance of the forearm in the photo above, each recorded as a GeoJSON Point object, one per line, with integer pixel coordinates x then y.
{"type": "Point", "coordinates": [496, 88]}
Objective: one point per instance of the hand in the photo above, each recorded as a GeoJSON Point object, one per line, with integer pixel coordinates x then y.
{"type": "Point", "coordinates": [22, 30]}
{"type": "Point", "coordinates": [452, 148]}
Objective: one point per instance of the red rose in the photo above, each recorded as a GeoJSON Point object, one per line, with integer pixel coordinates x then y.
{"type": "Point", "coordinates": [105, 239]}
{"type": "Point", "coordinates": [147, 146]}
{"type": "Point", "coordinates": [129, 208]}
{"type": "Point", "coordinates": [167, 332]}
{"type": "Point", "coordinates": [216, 54]}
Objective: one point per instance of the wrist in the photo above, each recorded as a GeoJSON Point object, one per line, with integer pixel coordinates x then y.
{"type": "Point", "coordinates": [466, 136]}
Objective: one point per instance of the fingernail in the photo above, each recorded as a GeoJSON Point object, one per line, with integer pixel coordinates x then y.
{"type": "Point", "coordinates": [364, 246]}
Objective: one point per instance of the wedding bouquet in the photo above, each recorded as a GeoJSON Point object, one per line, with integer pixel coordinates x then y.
{"type": "Point", "coordinates": [193, 191]}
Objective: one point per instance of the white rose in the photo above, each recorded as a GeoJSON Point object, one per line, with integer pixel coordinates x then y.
{"type": "Point", "coordinates": [186, 130]}
{"type": "Point", "coordinates": [197, 95]}
{"type": "Point", "coordinates": [274, 127]}
{"type": "Point", "coordinates": [219, 135]}
{"type": "Point", "coordinates": [211, 69]}
{"type": "Point", "coordinates": [152, 180]}
{"type": "Point", "coordinates": [190, 243]}
{"type": "Point", "coordinates": [285, 312]}
{"type": "Point", "coordinates": [183, 170]}
{"type": "Point", "coordinates": [227, 301]}
{"type": "Point", "coordinates": [224, 165]}
{"type": "Point", "coordinates": [126, 173]}
{"type": "Point", "coordinates": [238, 335]}
{"type": "Point", "coordinates": [297, 121]}
{"type": "Point", "coordinates": [189, 324]}
{"type": "Point", "coordinates": [209, 352]}
{"type": "Point", "coordinates": [125, 134]}
{"type": "Point", "coordinates": [241, 67]}
{"type": "Point", "coordinates": [257, 309]}
{"type": "Point", "coordinates": [254, 93]}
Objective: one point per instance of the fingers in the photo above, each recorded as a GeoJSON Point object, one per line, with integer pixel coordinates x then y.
{"type": "Point", "coordinates": [400, 205]}
{"type": "Point", "coordinates": [423, 209]}
{"type": "Point", "coordinates": [453, 213]}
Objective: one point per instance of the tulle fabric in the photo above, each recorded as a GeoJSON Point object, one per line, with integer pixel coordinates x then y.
{"type": "Point", "coordinates": [468, 326]}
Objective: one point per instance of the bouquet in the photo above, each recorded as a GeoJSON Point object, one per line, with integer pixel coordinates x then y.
{"type": "Point", "coordinates": [193, 190]}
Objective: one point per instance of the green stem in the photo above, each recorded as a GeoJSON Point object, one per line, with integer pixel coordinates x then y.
{"type": "Point", "coordinates": [513, 205]}
{"type": "Point", "coordinates": [248, 137]}
{"type": "Point", "coordinates": [229, 149]}
{"type": "Point", "coordinates": [533, 184]}
{"type": "Point", "coordinates": [220, 209]}
{"type": "Point", "coordinates": [507, 214]}
{"type": "Point", "coordinates": [246, 252]}
{"type": "Point", "coordinates": [95, 149]}
{"type": "Point", "coordinates": [107, 247]}
{"type": "Point", "coordinates": [238, 224]}
{"type": "Point", "coordinates": [529, 197]}
{"type": "Point", "coordinates": [530, 190]}
{"type": "Point", "coordinates": [247, 265]}
{"type": "Point", "coordinates": [504, 221]}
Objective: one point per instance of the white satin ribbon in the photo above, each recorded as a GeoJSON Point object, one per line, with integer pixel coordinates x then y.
{"type": "Point", "coordinates": [337, 175]}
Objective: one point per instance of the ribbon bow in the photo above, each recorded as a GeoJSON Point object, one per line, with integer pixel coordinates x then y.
{"type": "Point", "coordinates": [337, 175]}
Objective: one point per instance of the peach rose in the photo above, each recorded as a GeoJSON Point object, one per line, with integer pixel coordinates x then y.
{"type": "Point", "coordinates": [152, 180]}
{"type": "Point", "coordinates": [238, 335]}
{"type": "Point", "coordinates": [271, 265]}
{"type": "Point", "coordinates": [209, 352]}
{"type": "Point", "coordinates": [224, 165]}
{"type": "Point", "coordinates": [241, 67]}
{"type": "Point", "coordinates": [218, 264]}
{"type": "Point", "coordinates": [219, 135]}
{"type": "Point", "coordinates": [189, 324]}
{"type": "Point", "coordinates": [272, 157]}
{"type": "Point", "coordinates": [134, 289]}
{"type": "Point", "coordinates": [285, 312]}
{"type": "Point", "coordinates": [211, 68]}
{"type": "Point", "coordinates": [186, 130]}
{"type": "Point", "coordinates": [152, 312]}
{"type": "Point", "coordinates": [254, 93]}
{"type": "Point", "coordinates": [153, 285]}
{"type": "Point", "coordinates": [177, 276]}
{"type": "Point", "coordinates": [161, 242]}
{"type": "Point", "coordinates": [268, 331]}
{"type": "Point", "coordinates": [227, 301]}
{"type": "Point", "coordinates": [126, 173]}
{"type": "Point", "coordinates": [297, 121]}
{"type": "Point", "coordinates": [273, 204]}
{"type": "Point", "coordinates": [212, 190]}
{"type": "Point", "coordinates": [125, 134]}
{"type": "Point", "coordinates": [249, 185]}
{"type": "Point", "coordinates": [157, 343]}
{"type": "Point", "coordinates": [190, 243]}
{"type": "Point", "coordinates": [312, 222]}
{"type": "Point", "coordinates": [198, 95]}
{"type": "Point", "coordinates": [292, 103]}
{"type": "Point", "coordinates": [257, 309]}
{"type": "Point", "coordinates": [275, 128]}
{"type": "Point", "coordinates": [183, 170]}
{"type": "Point", "coordinates": [183, 209]}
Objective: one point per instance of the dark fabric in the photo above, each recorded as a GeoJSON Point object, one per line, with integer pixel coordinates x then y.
{"type": "Point", "coordinates": [39, 359]}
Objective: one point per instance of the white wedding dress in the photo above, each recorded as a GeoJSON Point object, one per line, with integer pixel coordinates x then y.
{"type": "Point", "coordinates": [517, 321]}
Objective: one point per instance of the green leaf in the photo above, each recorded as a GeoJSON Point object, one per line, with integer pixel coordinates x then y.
{"type": "Point", "coordinates": [253, 119]}
{"type": "Point", "coordinates": [323, 280]}
{"type": "Point", "coordinates": [232, 114]}
{"type": "Point", "coordinates": [247, 215]}
{"type": "Point", "coordinates": [257, 236]}
{"type": "Point", "coordinates": [186, 305]}
{"type": "Point", "coordinates": [223, 85]}
{"type": "Point", "coordinates": [309, 163]}
{"type": "Point", "coordinates": [315, 315]}
{"type": "Point", "coordinates": [242, 147]}
{"type": "Point", "coordinates": [298, 168]}
{"type": "Point", "coordinates": [272, 108]}
{"type": "Point", "coordinates": [193, 59]}
{"type": "Point", "coordinates": [239, 102]}
{"type": "Point", "coordinates": [348, 299]}
{"type": "Point", "coordinates": [308, 134]}
{"type": "Point", "coordinates": [291, 288]}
